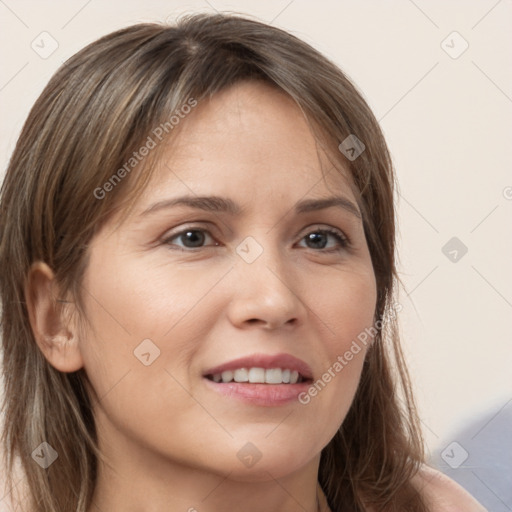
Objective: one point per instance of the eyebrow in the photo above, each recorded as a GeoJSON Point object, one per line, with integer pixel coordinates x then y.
{"type": "Point", "coordinates": [219, 204]}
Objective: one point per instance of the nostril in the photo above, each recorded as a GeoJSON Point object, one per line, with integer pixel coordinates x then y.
{"type": "Point", "coordinates": [255, 321]}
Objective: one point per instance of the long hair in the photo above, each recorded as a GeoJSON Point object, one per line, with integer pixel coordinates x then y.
{"type": "Point", "coordinates": [97, 109]}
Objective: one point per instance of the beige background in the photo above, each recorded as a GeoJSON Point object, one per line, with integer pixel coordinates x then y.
{"type": "Point", "coordinates": [447, 118]}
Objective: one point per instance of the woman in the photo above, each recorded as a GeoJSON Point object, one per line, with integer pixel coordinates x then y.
{"type": "Point", "coordinates": [197, 244]}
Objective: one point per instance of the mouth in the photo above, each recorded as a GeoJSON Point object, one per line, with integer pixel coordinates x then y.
{"type": "Point", "coordinates": [263, 380]}
{"type": "Point", "coordinates": [256, 375]}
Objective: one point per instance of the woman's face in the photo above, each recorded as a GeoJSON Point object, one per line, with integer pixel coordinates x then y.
{"type": "Point", "coordinates": [177, 292]}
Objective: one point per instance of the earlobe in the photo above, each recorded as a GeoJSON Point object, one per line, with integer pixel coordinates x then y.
{"type": "Point", "coordinates": [54, 331]}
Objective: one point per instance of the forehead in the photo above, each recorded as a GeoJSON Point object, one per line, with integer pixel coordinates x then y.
{"type": "Point", "coordinates": [250, 141]}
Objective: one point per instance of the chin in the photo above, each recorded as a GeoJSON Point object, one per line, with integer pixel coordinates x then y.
{"type": "Point", "coordinates": [264, 471]}
{"type": "Point", "coordinates": [252, 464]}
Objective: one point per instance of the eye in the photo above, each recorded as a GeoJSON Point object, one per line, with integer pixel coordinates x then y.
{"type": "Point", "coordinates": [196, 238]}
{"type": "Point", "coordinates": [318, 239]}
{"type": "Point", "coordinates": [192, 238]}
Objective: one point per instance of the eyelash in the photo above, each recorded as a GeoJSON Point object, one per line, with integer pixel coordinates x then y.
{"type": "Point", "coordinates": [343, 240]}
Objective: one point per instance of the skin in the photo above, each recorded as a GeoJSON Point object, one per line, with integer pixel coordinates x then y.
{"type": "Point", "coordinates": [169, 441]}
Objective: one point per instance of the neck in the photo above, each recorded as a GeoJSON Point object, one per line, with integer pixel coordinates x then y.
{"type": "Point", "coordinates": [134, 478]}
{"type": "Point", "coordinates": [195, 491]}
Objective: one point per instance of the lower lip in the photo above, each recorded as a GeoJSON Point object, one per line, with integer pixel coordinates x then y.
{"type": "Point", "coordinates": [267, 395]}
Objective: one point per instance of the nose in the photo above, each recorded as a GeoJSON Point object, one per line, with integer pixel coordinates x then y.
{"type": "Point", "coordinates": [265, 294]}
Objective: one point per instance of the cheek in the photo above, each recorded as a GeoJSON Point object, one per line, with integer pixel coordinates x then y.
{"type": "Point", "coordinates": [346, 311]}
{"type": "Point", "coordinates": [142, 333]}
{"type": "Point", "coordinates": [148, 298]}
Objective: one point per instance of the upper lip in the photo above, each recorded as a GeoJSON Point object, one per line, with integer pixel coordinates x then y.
{"type": "Point", "coordinates": [265, 361]}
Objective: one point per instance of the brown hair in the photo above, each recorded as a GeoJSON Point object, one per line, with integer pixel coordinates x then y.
{"type": "Point", "coordinates": [98, 108]}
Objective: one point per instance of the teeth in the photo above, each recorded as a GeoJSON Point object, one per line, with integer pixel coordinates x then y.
{"type": "Point", "coordinates": [274, 376]}
{"type": "Point", "coordinates": [227, 376]}
{"type": "Point", "coordinates": [259, 376]}
{"type": "Point", "coordinates": [241, 375]}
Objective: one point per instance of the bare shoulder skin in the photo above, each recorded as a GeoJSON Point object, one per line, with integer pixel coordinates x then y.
{"type": "Point", "coordinates": [444, 494]}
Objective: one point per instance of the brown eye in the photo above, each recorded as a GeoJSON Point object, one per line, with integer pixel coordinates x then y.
{"type": "Point", "coordinates": [189, 238]}
{"type": "Point", "coordinates": [319, 239]}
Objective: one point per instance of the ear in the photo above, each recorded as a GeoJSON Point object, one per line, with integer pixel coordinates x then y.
{"type": "Point", "coordinates": [51, 320]}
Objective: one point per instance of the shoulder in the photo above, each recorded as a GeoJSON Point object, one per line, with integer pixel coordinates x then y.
{"type": "Point", "coordinates": [442, 494]}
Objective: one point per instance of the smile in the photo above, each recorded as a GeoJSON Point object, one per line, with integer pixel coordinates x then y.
{"type": "Point", "coordinates": [258, 376]}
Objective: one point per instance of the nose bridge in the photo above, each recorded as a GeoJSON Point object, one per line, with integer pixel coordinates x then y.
{"type": "Point", "coordinates": [264, 289]}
